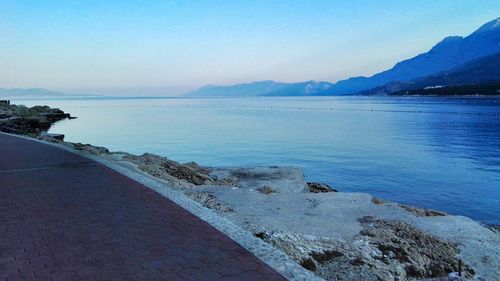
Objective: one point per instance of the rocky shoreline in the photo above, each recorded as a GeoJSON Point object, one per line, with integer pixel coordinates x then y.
{"type": "Point", "coordinates": [336, 235]}
{"type": "Point", "coordinates": [31, 121]}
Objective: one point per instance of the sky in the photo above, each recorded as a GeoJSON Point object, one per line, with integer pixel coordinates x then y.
{"type": "Point", "coordinates": [127, 47]}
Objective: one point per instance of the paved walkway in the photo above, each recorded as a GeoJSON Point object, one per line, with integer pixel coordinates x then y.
{"type": "Point", "coordinates": [64, 217]}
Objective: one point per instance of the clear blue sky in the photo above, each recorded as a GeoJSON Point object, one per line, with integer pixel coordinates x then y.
{"type": "Point", "coordinates": [145, 47]}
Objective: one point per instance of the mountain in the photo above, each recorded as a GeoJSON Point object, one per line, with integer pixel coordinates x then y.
{"type": "Point", "coordinates": [265, 88]}
{"type": "Point", "coordinates": [33, 92]}
{"type": "Point", "coordinates": [447, 54]}
{"type": "Point", "coordinates": [36, 93]}
{"type": "Point", "coordinates": [482, 73]}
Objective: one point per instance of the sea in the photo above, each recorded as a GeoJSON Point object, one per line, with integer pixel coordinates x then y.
{"type": "Point", "coordinates": [434, 152]}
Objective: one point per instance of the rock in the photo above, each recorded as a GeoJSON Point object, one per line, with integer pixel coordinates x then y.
{"type": "Point", "coordinates": [55, 115]}
{"type": "Point", "coordinates": [316, 187]}
{"type": "Point", "coordinates": [331, 259]}
{"type": "Point", "coordinates": [163, 168]}
{"type": "Point", "coordinates": [198, 168]}
{"type": "Point", "coordinates": [307, 250]}
{"type": "Point", "coordinates": [19, 119]}
{"type": "Point", "coordinates": [98, 150]}
{"type": "Point", "coordinates": [398, 269]}
{"type": "Point", "coordinates": [378, 201]}
{"type": "Point", "coordinates": [230, 181]}
{"type": "Point", "coordinates": [51, 139]}
{"type": "Point", "coordinates": [54, 136]}
{"type": "Point", "coordinates": [185, 173]}
{"type": "Point", "coordinates": [384, 250]}
{"type": "Point", "coordinates": [453, 276]}
{"type": "Point", "coordinates": [391, 254]}
{"type": "Point", "coordinates": [423, 255]}
{"type": "Point", "coordinates": [422, 212]}
{"type": "Point", "coordinates": [266, 189]}
{"type": "Point", "coordinates": [209, 201]}
{"type": "Point", "coordinates": [493, 227]}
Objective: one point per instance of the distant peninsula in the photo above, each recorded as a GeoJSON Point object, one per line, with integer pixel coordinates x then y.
{"type": "Point", "coordinates": [14, 93]}
{"type": "Point", "coordinates": [31, 92]}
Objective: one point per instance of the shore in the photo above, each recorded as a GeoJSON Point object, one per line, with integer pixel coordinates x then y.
{"type": "Point", "coordinates": [336, 235]}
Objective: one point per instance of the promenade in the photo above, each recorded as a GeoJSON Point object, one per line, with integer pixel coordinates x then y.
{"type": "Point", "coordinates": [65, 217]}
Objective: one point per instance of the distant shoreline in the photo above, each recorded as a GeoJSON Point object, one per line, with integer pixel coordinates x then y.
{"type": "Point", "coordinates": [104, 97]}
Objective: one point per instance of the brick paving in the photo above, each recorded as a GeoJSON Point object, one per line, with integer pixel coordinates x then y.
{"type": "Point", "coordinates": [64, 217]}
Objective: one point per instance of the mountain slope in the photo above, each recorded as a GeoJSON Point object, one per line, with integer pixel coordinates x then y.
{"type": "Point", "coordinates": [447, 54]}
{"type": "Point", "coordinates": [482, 72]}
{"type": "Point", "coordinates": [265, 88]}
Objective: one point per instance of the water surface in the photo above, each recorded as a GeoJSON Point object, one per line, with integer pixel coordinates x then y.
{"type": "Point", "coordinates": [441, 153]}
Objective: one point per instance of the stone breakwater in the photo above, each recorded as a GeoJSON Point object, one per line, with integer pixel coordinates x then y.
{"type": "Point", "coordinates": [335, 235]}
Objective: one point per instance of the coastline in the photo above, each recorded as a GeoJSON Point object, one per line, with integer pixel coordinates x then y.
{"type": "Point", "coordinates": [337, 235]}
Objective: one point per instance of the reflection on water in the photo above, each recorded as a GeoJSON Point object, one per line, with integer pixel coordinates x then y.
{"type": "Point", "coordinates": [432, 152]}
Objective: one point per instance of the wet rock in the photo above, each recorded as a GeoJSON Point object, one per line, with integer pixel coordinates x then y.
{"type": "Point", "coordinates": [316, 187]}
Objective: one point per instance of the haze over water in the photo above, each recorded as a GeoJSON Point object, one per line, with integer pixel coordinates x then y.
{"type": "Point", "coordinates": [440, 153]}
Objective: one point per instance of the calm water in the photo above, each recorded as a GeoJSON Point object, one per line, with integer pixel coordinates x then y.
{"type": "Point", "coordinates": [441, 153]}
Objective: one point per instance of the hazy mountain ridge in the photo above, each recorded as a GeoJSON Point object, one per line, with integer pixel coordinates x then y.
{"type": "Point", "coordinates": [37, 93]}
{"type": "Point", "coordinates": [266, 88]}
{"type": "Point", "coordinates": [482, 72]}
{"type": "Point", "coordinates": [451, 52]}
{"type": "Point", "coordinates": [31, 92]}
